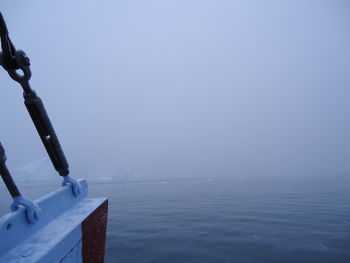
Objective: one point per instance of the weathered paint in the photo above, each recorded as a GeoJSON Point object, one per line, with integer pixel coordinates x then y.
{"type": "Point", "coordinates": [94, 235]}
{"type": "Point", "coordinates": [74, 255]}
{"type": "Point", "coordinates": [59, 234]}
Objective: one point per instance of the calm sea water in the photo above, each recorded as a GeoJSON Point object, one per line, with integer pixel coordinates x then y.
{"type": "Point", "coordinates": [253, 219]}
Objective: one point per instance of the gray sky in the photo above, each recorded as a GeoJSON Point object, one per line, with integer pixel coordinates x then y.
{"type": "Point", "coordinates": [185, 88]}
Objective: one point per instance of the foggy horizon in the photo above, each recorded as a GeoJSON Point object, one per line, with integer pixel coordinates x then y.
{"type": "Point", "coordinates": [184, 88]}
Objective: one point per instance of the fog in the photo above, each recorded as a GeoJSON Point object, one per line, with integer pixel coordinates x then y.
{"type": "Point", "coordinates": [184, 88]}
